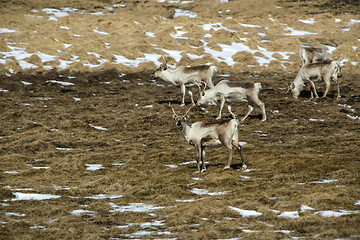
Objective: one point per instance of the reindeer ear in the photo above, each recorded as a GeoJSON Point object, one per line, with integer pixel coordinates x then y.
{"type": "Point", "coordinates": [186, 117]}
{"type": "Point", "coordinates": [292, 85]}
{"type": "Point", "coordinates": [174, 116]}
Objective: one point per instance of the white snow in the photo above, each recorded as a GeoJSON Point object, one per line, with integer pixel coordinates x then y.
{"type": "Point", "coordinates": [186, 201]}
{"type": "Point", "coordinates": [185, 13]}
{"type": "Point", "coordinates": [325, 181]}
{"type": "Point", "coordinates": [134, 207]}
{"type": "Point", "coordinates": [150, 34]}
{"type": "Point", "coordinates": [309, 21]}
{"type": "Point", "coordinates": [93, 167]}
{"type": "Point", "coordinates": [136, 62]}
{"type": "Point", "coordinates": [64, 149]}
{"type": "Point", "coordinates": [330, 213]}
{"type": "Point", "coordinates": [62, 83]}
{"type": "Point", "coordinates": [104, 196]}
{"type": "Point", "coordinates": [33, 196]}
{"type": "Point", "coordinates": [26, 83]}
{"type": "Point", "coordinates": [81, 211]}
{"type": "Point", "coordinates": [289, 214]}
{"type": "Point", "coordinates": [11, 172]}
{"type": "Point", "coordinates": [316, 120]}
{"type": "Point", "coordinates": [100, 32]}
{"type": "Point", "coordinates": [306, 208]}
{"type": "Point", "coordinates": [15, 214]}
{"type": "Point", "coordinates": [6, 30]}
{"type": "Point", "coordinates": [207, 192]}
{"type": "Point", "coordinates": [171, 166]}
{"type": "Point", "coordinates": [294, 32]}
{"type": "Point", "coordinates": [98, 127]}
{"type": "Point", "coordinates": [246, 213]}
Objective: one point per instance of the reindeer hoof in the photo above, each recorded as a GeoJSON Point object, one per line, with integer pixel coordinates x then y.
{"type": "Point", "coordinates": [203, 170]}
{"type": "Point", "coordinates": [218, 118]}
{"type": "Point", "coordinates": [226, 167]}
{"type": "Point", "coordinates": [182, 105]}
{"type": "Point", "coordinates": [244, 166]}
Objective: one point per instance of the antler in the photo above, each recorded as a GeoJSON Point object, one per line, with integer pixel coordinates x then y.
{"type": "Point", "coordinates": [204, 86]}
{"type": "Point", "coordinates": [175, 112]}
{"type": "Point", "coordinates": [199, 84]}
{"type": "Point", "coordinates": [164, 59]}
{"type": "Point", "coordinates": [288, 88]}
{"type": "Point", "coordinates": [173, 109]}
{"type": "Point", "coordinates": [188, 111]}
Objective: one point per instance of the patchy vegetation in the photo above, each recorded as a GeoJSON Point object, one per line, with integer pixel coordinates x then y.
{"type": "Point", "coordinates": [93, 153]}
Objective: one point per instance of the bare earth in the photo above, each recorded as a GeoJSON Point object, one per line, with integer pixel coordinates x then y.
{"type": "Point", "coordinates": [89, 150]}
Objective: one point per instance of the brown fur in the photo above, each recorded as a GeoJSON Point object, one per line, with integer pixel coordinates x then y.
{"type": "Point", "coordinates": [245, 85]}
{"type": "Point", "coordinates": [319, 64]}
{"type": "Point", "coordinates": [313, 49]}
{"type": "Point", "coordinates": [212, 123]}
{"type": "Point", "coordinates": [196, 68]}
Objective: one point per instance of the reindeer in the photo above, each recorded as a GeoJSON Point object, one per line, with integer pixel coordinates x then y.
{"type": "Point", "coordinates": [201, 135]}
{"type": "Point", "coordinates": [326, 70]}
{"type": "Point", "coordinates": [187, 77]}
{"type": "Point", "coordinates": [311, 54]}
{"type": "Point", "coordinates": [233, 92]}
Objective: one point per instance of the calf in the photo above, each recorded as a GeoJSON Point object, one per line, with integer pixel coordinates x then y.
{"type": "Point", "coordinates": [233, 92]}
{"type": "Point", "coordinates": [201, 135]}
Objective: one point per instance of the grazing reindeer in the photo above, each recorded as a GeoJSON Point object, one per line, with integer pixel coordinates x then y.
{"type": "Point", "coordinates": [310, 55]}
{"type": "Point", "coordinates": [187, 77]}
{"type": "Point", "coordinates": [233, 92]}
{"type": "Point", "coordinates": [201, 136]}
{"type": "Point", "coordinates": [326, 70]}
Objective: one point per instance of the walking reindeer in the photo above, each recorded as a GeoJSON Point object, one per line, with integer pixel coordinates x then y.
{"type": "Point", "coordinates": [201, 136]}
{"type": "Point", "coordinates": [233, 92]}
{"type": "Point", "coordinates": [187, 77]}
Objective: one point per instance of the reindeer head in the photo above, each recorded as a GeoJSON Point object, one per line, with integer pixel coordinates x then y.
{"type": "Point", "coordinates": [337, 71]}
{"type": "Point", "coordinates": [160, 69]}
{"type": "Point", "coordinates": [180, 120]}
{"type": "Point", "coordinates": [295, 88]}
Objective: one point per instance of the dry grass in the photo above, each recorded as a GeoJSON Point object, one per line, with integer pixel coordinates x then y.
{"type": "Point", "coordinates": [305, 155]}
{"type": "Point", "coordinates": [289, 158]}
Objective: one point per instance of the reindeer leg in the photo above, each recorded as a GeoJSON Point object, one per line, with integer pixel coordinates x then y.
{"type": "Point", "coordinates": [182, 87]}
{"type": "Point", "coordinates": [314, 88]}
{"type": "Point", "coordinates": [248, 112]}
{"type": "Point", "coordinates": [203, 169]}
{"type": "Point", "coordinates": [189, 90]}
{"type": "Point", "coordinates": [198, 156]}
{"type": "Point", "coordinates": [327, 84]}
{"type": "Point", "coordinates": [231, 152]}
{"type": "Point", "coordinates": [338, 89]}
{"type": "Point", "coordinates": [229, 109]}
{"type": "Point", "coordinates": [222, 102]}
{"type": "Point", "coordinates": [258, 102]}
{"type": "Point", "coordinates": [235, 144]}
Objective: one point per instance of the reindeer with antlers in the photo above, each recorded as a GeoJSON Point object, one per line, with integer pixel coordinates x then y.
{"type": "Point", "coordinates": [187, 77]}
{"type": "Point", "coordinates": [201, 135]}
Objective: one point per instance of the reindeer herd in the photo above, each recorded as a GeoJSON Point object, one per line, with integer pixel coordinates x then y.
{"type": "Point", "coordinates": [316, 65]}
